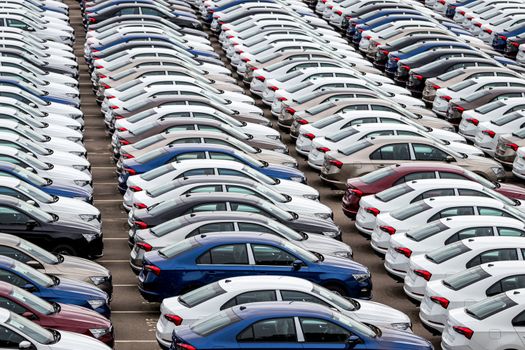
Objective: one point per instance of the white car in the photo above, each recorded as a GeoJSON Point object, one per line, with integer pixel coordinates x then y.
{"type": "Point", "coordinates": [456, 257]}
{"type": "Point", "coordinates": [489, 132]}
{"type": "Point", "coordinates": [170, 190]}
{"type": "Point", "coordinates": [26, 66]}
{"type": "Point", "coordinates": [439, 233]}
{"type": "Point", "coordinates": [501, 24]}
{"type": "Point", "coordinates": [165, 173]}
{"type": "Point", "coordinates": [471, 118]}
{"type": "Point", "coordinates": [518, 166]}
{"type": "Point", "coordinates": [468, 287]}
{"type": "Point", "coordinates": [38, 338]}
{"type": "Point", "coordinates": [405, 127]}
{"type": "Point", "coordinates": [435, 208]}
{"type": "Point", "coordinates": [410, 192]}
{"type": "Point", "coordinates": [470, 86]}
{"type": "Point", "coordinates": [494, 323]}
{"type": "Point", "coordinates": [200, 303]}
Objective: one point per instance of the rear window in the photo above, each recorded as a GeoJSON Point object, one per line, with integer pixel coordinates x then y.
{"type": "Point", "coordinates": [323, 123]}
{"type": "Point", "coordinates": [490, 306]}
{"type": "Point", "coordinates": [177, 248]}
{"type": "Point", "coordinates": [153, 174]}
{"type": "Point", "coordinates": [450, 75]}
{"type": "Point", "coordinates": [376, 175]}
{"type": "Point", "coordinates": [393, 192]}
{"type": "Point", "coordinates": [343, 134]}
{"type": "Point", "coordinates": [212, 324]}
{"type": "Point", "coordinates": [428, 230]}
{"type": "Point", "coordinates": [507, 119]}
{"type": "Point", "coordinates": [476, 95]}
{"type": "Point", "coordinates": [447, 252]}
{"type": "Point", "coordinates": [463, 85]}
{"type": "Point", "coordinates": [356, 147]}
{"type": "Point", "coordinates": [407, 212]}
{"type": "Point", "coordinates": [200, 295]}
{"type": "Point", "coordinates": [520, 133]}
{"type": "Point", "coordinates": [465, 278]}
{"type": "Point", "coordinates": [489, 107]}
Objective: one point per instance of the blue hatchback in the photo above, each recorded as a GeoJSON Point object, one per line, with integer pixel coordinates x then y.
{"type": "Point", "coordinates": [51, 288]}
{"type": "Point", "coordinates": [500, 39]}
{"type": "Point", "coordinates": [204, 259]}
{"type": "Point", "coordinates": [285, 325]}
{"type": "Point", "coordinates": [174, 153]}
{"type": "Point", "coordinates": [352, 22]}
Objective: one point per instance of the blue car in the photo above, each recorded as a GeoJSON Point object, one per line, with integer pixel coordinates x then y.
{"type": "Point", "coordinates": [412, 50]}
{"type": "Point", "coordinates": [353, 22]}
{"type": "Point", "coordinates": [35, 92]}
{"type": "Point", "coordinates": [46, 185]}
{"type": "Point", "coordinates": [209, 14]}
{"type": "Point", "coordinates": [180, 152]}
{"type": "Point", "coordinates": [290, 325]}
{"type": "Point", "coordinates": [451, 8]}
{"type": "Point", "coordinates": [384, 20]}
{"type": "Point", "coordinates": [51, 288]}
{"type": "Point", "coordinates": [500, 39]}
{"type": "Point", "coordinates": [204, 259]}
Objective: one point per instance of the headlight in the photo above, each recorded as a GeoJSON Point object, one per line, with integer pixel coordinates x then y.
{"type": "Point", "coordinates": [71, 95]}
{"type": "Point", "coordinates": [297, 178]}
{"type": "Point", "coordinates": [273, 137]}
{"type": "Point", "coordinates": [314, 197]}
{"type": "Point", "coordinates": [74, 138]}
{"type": "Point", "coordinates": [88, 217]}
{"type": "Point", "coordinates": [81, 183]}
{"type": "Point", "coordinates": [64, 38]}
{"type": "Point", "coordinates": [343, 254]}
{"type": "Point", "coordinates": [402, 326]}
{"type": "Point", "coordinates": [498, 171]}
{"type": "Point", "coordinates": [73, 85]}
{"type": "Point", "coordinates": [449, 128]}
{"type": "Point", "coordinates": [80, 167]}
{"type": "Point", "coordinates": [84, 199]}
{"type": "Point", "coordinates": [99, 332]}
{"type": "Point", "coordinates": [330, 233]}
{"type": "Point", "coordinates": [95, 304]}
{"type": "Point", "coordinates": [290, 164]}
{"type": "Point", "coordinates": [80, 154]}
{"type": "Point", "coordinates": [280, 150]}
{"type": "Point", "coordinates": [70, 65]}
{"type": "Point", "coordinates": [97, 280]}
{"type": "Point", "coordinates": [324, 216]}
{"type": "Point", "coordinates": [90, 236]}
{"type": "Point", "coordinates": [361, 277]}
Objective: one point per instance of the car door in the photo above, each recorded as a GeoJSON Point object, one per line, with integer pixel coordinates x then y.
{"type": "Point", "coordinates": [20, 224]}
{"type": "Point", "coordinates": [320, 334]}
{"type": "Point", "coordinates": [424, 152]}
{"type": "Point", "coordinates": [272, 260]}
{"type": "Point", "coordinates": [506, 284]}
{"type": "Point", "coordinates": [9, 340]}
{"type": "Point", "coordinates": [224, 261]}
{"type": "Point", "coordinates": [501, 254]}
{"type": "Point", "coordinates": [390, 155]}
{"type": "Point", "coordinates": [518, 323]}
{"type": "Point", "coordinates": [272, 333]}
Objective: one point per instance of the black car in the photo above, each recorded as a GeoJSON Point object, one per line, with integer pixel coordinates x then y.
{"type": "Point", "coordinates": [418, 76]}
{"type": "Point", "coordinates": [49, 231]}
{"type": "Point", "coordinates": [381, 56]}
{"type": "Point", "coordinates": [404, 66]}
{"type": "Point", "coordinates": [216, 202]}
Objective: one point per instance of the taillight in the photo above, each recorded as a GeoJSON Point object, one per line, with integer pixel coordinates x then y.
{"type": "Point", "coordinates": [281, 99]}
{"type": "Point", "coordinates": [183, 346]}
{"type": "Point", "coordinates": [339, 12]}
{"type": "Point", "coordinates": [113, 107]}
{"type": "Point", "coordinates": [135, 188]}
{"type": "Point", "coordinates": [441, 301]}
{"type": "Point", "coordinates": [260, 78]}
{"type": "Point", "coordinates": [111, 97]}
{"type": "Point", "coordinates": [384, 52]}
{"type": "Point", "coordinates": [461, 13]}
{"type": "Point", "coordinates": [436, 87]}
{"type": "Point", "coordinates": [477, 24]}
{"type": "Point", "coordinates": [388, 229]}
{"type": "Point", "coordinates": [290, 110]}
{"type": "Point", "coordinates": [459, 109]}
{"type": "Point", "coordinates": [154, 269]}
{"type": "Point", "coordinates": [446, 98]}
{"type": "Point", "coordinates": [405, 67]}
{"type": "Point", "coordinates": [140, 225]}
{"type": "Point", "coordinates": [246, 60]}
{"type": "Point", "coordinates": [489, 133]}
{"type": "Point", "coordinates": [336, 163]}
{"type": "Point", "coordinates": [117, 117]}
{"type": "Point", "coordinates": [105, 86]}
{"type": "Point", "coordinates": [395, 59]}
{"type": "Point", "coordinates": [405, 251]}
{"type": "Point", "coordinates": [309, 136]}
{"type": "Point", "coordinates": [130, 171]}
{"type": "Point", "coordinates": [145, 246]}
{"type": "Point", "coordinates": [323, 149]}
{"type": "Point", "coordinates": [373, 211]}
{"type": "Point", "coordinates": [176, 319]}
{"type": "Point", "coordinates": [122, 129]}
{"type": "Point", "coordinates": [302, 121]}
{"type": "Point", "coordinates": [513, 146]}
{"type": "Point", "coordinates": [515, 44]}
{"type": "Point", "coordinates": [423, 273]}
{"type": "Point", "coordinates": [368, 37]}
{"type": "Point", "coordinates": [465, 331]}
{"type": "Point", "coordinates": [92, 20]}
{"type": "Point", "coordinates": [502, 37]}
{"type": "Point", "coordinates": [128, 156]}
{"type": "Point", "coordinates": [488, 31]}
{"type": "Point", "coordinates": [473, 121]}
{"type": "Point", "coordinates": [99, 67]}
{"type": "Point", "coordinates": [273, 88]}
{"type": "Point", "coordinates": [357, 193]}
{"type": "Point", "coordinates": [418, 76]}
{"type": "Point", "coordinates": [123, 142]}
{"type": "Point", "coordinates": [140, 205]}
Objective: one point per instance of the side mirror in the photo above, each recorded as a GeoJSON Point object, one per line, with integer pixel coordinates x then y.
{"type": "Point", "coordinates": [31, 202]}
{"type": "Point", "coordinates": [34, 264]}
{"type": "Point", "coordinates": [352, 341]}
{"type": "Point", "coordinates": [30, 288]}
{"type": "Point", "coordinates": [28, 168]}
{"type": "Point", "coordinates": [25, 345]}
{"type": "Point", "coordinates": [297, 264]}
{"type": "Point", "coordinates": [30, 29]}
{"type": "Point", "coordinates": [29, 315]}
{"type": "Point", "coordinates": [30, 224]}
{"type": "Point", "coordinates": [449, 159]}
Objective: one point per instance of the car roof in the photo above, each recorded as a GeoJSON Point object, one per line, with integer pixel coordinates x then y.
{"type": "Point", "coordinates": [209, 179]}
{"type": "Point", "coordinates": [224, 215]}
{"type": "Point", "coordinates": [238, 237]}
{"type": "Point", "coordinates": [210, 163]}
{"type": "Point", "coordinates": [494, 242]}
{"type": "Point", "coordinates": [264, 282]}
{"type": "Point", "coordinates": [433, 166]}
{"type": "Point", "coordinates": [9, 239]}
{"type": "Point", "coordinates": [504, 267]}
{"type": "Point", "coordinates": [481, 220]}
{"type": "Point", "coordinates": [434, 183]}
{"type": "Point", "coordinates": [463, 200]}
{"type": "Point", "coordinates": [277, 309]}
{"type": "Point", "coordinates": [4, 315]}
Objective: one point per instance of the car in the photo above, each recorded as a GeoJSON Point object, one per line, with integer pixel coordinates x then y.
{"type": "Point", "coordinates": [186, 226]}
{"type": "Point", "coordinates": [382, 179]}
{"type": "Point", "coordinates": [277, 320]}
{"type": "Point", "coordinates": [19, 332]}
{"type": "Point", "coordinates": [468, 287]}
{"type": "Point", "coordinates": [383, 151]}
{"type": "Point", "coordinates": [62, 317]}
{"type": "Point", "coordinates": [518, 166]}
{"type": "Point", "coordinates": [228, 184]}
{"type": "Point", "coordinates": [499, 41]}
{"type": "Point", "coordinates": [428, 237]}
{"type": "Point", "coordinates": [503, 311]}
{"type": "Point", "coordinates": [195, 167]}
{"type": "Point", "coordinates": [204, 259]}
{"type": "Point", "coordinates": [205, 301]}
{"type": "Point", "coordinates": [413, 191]}
{"type": "Point", "coordinates": [508, 145]}
{"type": "Point", "coordinates": [456, 257]}
{"type": "Point", "coordinates": [432, 209]}
{"type": "Point", "coordinates": [488, 133]}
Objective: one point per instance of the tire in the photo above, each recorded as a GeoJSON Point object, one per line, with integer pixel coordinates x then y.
{"type": "Point", "coordinates": [337, 289]}
{"type": "Point", "coordinates": [64, 249]}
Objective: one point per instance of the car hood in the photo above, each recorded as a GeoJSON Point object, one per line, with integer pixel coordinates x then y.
{"type": "Point", "coordinates": [511, 191]}
{"type": "Point", "coordinates": [482, 161]}
{"type": "Point", "coordinates": [466, 148]}
{"type": "Point", "coordinates": [274, 157]}
{"type": "Point", "coordinates": [79, 289]}
{"type": "Point", "coordinates": [294, 188]}
{"type": "Point", "coordinates": [332, 262]}
{"type": "Point", "coordinates": [304, 223]}
{"type": "Point", "coordinates": [394, 339]}
{"type": "Point", "coordinates": [74, 206]}
{"type": "Point", "coordinates": [372, 312]}
{"type": "Point", "coordinates": [74, 225]}
{"type": "Point", "coordinates": [284, 170]}
{"type": "Point", "coordinates": [69, 340]}
{"type": "Point", "coordinates": [303, 205]}
{"type": "Point", "coordinates": [80, 316]}
{"type": "Point", "coordinates": [324, 245]}
{"type": "Point", "coordinates": [79, 267]}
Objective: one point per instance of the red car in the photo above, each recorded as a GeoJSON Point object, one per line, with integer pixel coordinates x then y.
{"type": "Point", "coordinates": [62, 317]}
{"type": "Point", "coordinates": [382, 179]}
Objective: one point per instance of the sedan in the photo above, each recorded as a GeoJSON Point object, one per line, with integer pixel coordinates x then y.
{"type": "Point", "coordinates": [488, 133]}
{"type": "Point", "coordinates": [204, 259]}
{"type": "Point", "coordinates": [508, 145]}
{"type": "Point", "coordinates": [456, 257]}
{"type": "Point", "coordinates": [518, 166]}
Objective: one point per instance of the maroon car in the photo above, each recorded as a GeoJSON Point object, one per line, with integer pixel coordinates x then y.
{"type": "Point", "coordinates": [62, 317]}
{"type": "Point", "coordinates": [382, 179]}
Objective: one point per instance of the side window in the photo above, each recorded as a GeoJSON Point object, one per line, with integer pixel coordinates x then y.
{"type": "Point", "coordinates": [355, 108]}
{"type": "Point", "coordinates": [391, 121]}
{"type": "Point", "coordinates": [205, 189]}
{"type": "Point", "coordinates": [128, 11]}
{"type": "Point", "coordinates": [14, 23]}
{"type": "Point", "coordinates": [360, 121]}
{"type": "Point", "coordinates": [492, 212]}
{"type": "Point", "coordinates": [277, 330]}
{"type": "Point", "coordinates": [434, 193]}
{"type": "Point", "coordinates": [10, 216]}
{"type": "Point", "coordinates": [232, 254]}
{"type": "Point", "coordinates": [13, 193]}
{"type": "Point", "coordinates": [185, 127]}
{"type": "Point", "coordinates": [469, 233]}
{"type": "Point", "coordinates": [216, 142]}
{"type": "Point", "coordinates": [231, 172]}
{"type": "Point", "coordinates": [7, 276]}
{"type": "Point", "coordinates": [519, 321]}
{"type": "Point", "coordinates": [452, 212]}
{"type": "Point", "coordinates": [152, 12]}
{"type": "Point", "coordinates": [510, 232]}
{"type": "Point", "coordinates": [251, 297]}
{"type": "Point", "coordinates": [493, 255]}
{"type": "Point", "coordinates": [196, 172]}
{"type": "Point", "coordinates": [248, 226]}
{"type": "Point", "coordinates": [427, 152]}
{"type": "Point", "coordinates": [14, 254]}
{"type": "Point", "coordinates": [469, 192]}
{"type": "Point", "coordinates": [177, 115]}
{"type": "Point", "coordinates": [243, 190]}
{"type": "Point", "coordinates": [190, 155]}
{"type": "Point", "coordinates": [208, 207]}
{"type": "Point", "coordinates": [213, 227]}
{"type": "Point", "coordinates": [416, 176]}
{"type": "Point", "coordinates": [11, 306]}
{"type": "Point", "coordinates": [186, 140]}
{"type": "Point", "coordinates": [392, 152]}
{"type": "Point", "coordinates": [268, 255]}
{"type": "Point", "coordinates": [9, 339]}
{"type": "Point", "coordinates": [246, 208]}
{"type": "Point", "coordinates": [383, 108]}
{"type": "Point", "coordinates": [322, 331]}
{"type": "Point", "coordinates": [506, 284]}
{"type": "Point", "coordinates": [292, 295]}
{"type": "Point", "coordinates": [447, 175]}
{"type": "Point", "coordinates": [378, 133]}
{"type": "Point", "coordinates": [222, 156]}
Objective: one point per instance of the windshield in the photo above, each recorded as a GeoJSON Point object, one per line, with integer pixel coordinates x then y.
{"type": "Point", "coordinates": [35, 212]}
{"type": "Point", "coordinates": [212, 324]}
{"type": "Point", "coordinates": [447, 252]}
{"type": "Point", "coordinates": [490, 306]}
{"type": "Point", "coordinates": [41, 254]}
{"type": "Point", "coordinates": [157, 172]}
{"type": "Point", "coordinates": [276, 211]}
{"type": "Point", "coordinates": [499, 197]}
{"type": "Point", "coordinates": [465, 278]}
{"type": "Point", "coordinates": [248, 159]}
{"type": "Point", "coordinates": [201, 294]}
{"type": "Point", "coordinates": [271, 193]}
{"type": "Point", "coordinates": [33, 275]}
{"type": "Point", "coordinates": [32, 161]}
{"type": "Point", "coordinates": [394, 192]}
{"type": "Point", "coordinates": [354, 325]}
{"type": "Point", "coordinates": [32, 300]}
{"type": "Point", "coordinates": [428, 230]}
{"type": "Point", "coordinates": [407, 212]}
{"type": "Point", "coordinates": [30, 329]}
{"type": "Point", "coordinates": [284, 230]}
{"type": "Point", "coordinates": [26, 174]}
{"type": "Point", "coordinates": [335, 299]}
{"type": "Point", "coordinates": [518, 214]}
{"type": "Point", "coordinates": [35, 193]}
{"type": "Point", "coordinates": [377, 175]}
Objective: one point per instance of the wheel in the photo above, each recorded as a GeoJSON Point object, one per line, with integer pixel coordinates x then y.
{"type": "Point", "coordinates": [336, 289]}
{"type": "Point", "coordinates": [65, 249]}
